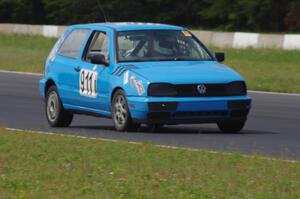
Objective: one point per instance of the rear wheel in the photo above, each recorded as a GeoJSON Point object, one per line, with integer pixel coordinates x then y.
{"type": "Point", "coordinates": [120, 113]}
{"type": "Point", "coordinates": [55, 113]}
{"type": "Point", "coordinates": [231, 126]}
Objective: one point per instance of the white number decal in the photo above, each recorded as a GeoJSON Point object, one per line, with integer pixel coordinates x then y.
{"type": "Point", "coordinates": [88, 83]}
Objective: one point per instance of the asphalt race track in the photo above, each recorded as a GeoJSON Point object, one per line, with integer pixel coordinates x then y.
{"type": "Point", "coordinates": [273, 127]}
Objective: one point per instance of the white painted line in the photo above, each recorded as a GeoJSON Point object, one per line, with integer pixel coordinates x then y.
{"type": "Point", "coordinates": [21, 73]}
{"type": "Point", "coordinates": [139, 143]}
{"type": "Point", "coordinates": [275, 93]}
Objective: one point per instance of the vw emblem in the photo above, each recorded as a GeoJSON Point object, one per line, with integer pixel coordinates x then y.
{"type": "Point", "coordinates": [201, 88]}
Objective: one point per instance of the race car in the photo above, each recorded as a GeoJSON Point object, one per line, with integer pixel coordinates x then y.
{"type": "Point", "coordinates": [141, 73]}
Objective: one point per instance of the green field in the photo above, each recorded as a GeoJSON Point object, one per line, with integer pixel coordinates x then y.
{"type": "Point", "coordinates": [264, 69]}
{"type": "Point", "coordinates": [23, 52]}
{"type": "Point", "coordinates": [51, 166]}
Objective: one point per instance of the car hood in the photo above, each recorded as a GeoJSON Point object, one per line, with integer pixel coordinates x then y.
{"type": "Point", "coordinates": [185, 72]}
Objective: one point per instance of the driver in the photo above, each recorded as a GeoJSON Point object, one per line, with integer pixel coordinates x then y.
{"type": "Point", "coordinates": [161, 47]}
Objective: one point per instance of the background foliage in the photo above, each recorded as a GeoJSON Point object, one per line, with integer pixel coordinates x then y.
{"type": "Point", "coordinates": [228, 15]}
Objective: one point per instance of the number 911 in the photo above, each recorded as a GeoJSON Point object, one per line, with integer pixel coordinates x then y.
{"type": "Point", "coordinates": [88, 83]}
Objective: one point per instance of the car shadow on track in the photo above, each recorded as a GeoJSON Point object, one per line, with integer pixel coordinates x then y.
{"type": "Point", "coordinates": [172, 130]}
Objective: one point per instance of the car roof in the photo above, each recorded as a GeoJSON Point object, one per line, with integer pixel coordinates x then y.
{"type": "Point", "coordinates": [123, 26]}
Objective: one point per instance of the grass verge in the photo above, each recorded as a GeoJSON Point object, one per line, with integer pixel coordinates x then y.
{"type": "Point", "coordinates": [263, 69]}
{"type": "Point", "coordinates": [266, 69]}
{"type": "Point", "coordinates": [49, 166]}
{"type": "Point", "coordinates": [24, 52]}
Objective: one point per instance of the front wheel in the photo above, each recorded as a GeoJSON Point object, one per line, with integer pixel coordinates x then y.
{"type": "Point", "coordinates": [120, 113]}
{"type": "Point", "coordinates": [231, 126]}
{"type": "Point", "coordinates": [56, 115]}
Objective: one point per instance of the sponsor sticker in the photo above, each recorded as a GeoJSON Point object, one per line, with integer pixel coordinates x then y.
{"type": "Point", "coordinates": [52, 56]}
{"type": "Point", "coordinates": [139, 87]}
{"type": "Point", "coordinates": [186, 33]}
{"type": "Point", "coordinates": [95, 67]}
{"type": "Point", "coordinates": [132, 81]}
{"type": "Point", "coordinates": [125, 78]}
{"type": "Point", "coordinates": [56, 47]}
{"type": "Point", "coordinates": [53, 52]}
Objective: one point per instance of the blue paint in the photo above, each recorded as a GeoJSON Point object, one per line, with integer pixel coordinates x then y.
{"type": "Point", "coordinates": [60, 69]}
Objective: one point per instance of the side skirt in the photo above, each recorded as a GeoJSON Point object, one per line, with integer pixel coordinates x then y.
{"type": "Point", "coordinates": [87, 111]}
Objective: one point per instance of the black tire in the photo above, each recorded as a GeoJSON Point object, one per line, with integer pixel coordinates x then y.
{"type": "Point", "coordinates": [231, 126]}
{"type": "Point", "coordinates": [55, 113]}
{"type": "Point", "coordinates": [121, 114]}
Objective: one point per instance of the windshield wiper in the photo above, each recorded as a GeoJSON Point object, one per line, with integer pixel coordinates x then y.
{"type": "Point", "coordinates": [134, 60]}
{"type": "Point", "coordinates": [184, 59]}
{"type": "Point", "coordinates": [172, 59]}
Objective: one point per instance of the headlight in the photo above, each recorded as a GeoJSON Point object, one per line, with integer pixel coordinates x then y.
{"type": "Point", "coordinates": [236, 89]}
{"type": "Point", "coordinates": [162, 90]}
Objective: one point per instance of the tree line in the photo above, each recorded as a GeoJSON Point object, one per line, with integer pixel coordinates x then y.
{"type": "Point", "coordinates": [225, 15]}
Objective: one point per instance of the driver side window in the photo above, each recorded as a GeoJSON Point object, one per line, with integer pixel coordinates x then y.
{"type": "Point", "coordinates": [99, 44]}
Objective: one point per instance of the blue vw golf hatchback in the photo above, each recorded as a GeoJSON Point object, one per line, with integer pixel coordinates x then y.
{"type": "Point", "coordinates": [141, 73]}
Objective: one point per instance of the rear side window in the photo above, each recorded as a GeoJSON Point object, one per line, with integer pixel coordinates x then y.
{"type": "Point", "coordinates": [73, 43]}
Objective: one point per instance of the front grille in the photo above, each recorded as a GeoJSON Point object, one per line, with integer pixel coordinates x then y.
{"type": "Point", "coordinates": [211, 90]}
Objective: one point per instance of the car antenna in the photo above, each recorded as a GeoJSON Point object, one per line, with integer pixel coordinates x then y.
{"type": "Point", "coordinates": [102, 11]}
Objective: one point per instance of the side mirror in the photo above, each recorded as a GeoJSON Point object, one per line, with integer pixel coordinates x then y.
{"type": "Point", "coordinates": [220, 57]}
{"type": "Point", "coordinates": [99, 59]}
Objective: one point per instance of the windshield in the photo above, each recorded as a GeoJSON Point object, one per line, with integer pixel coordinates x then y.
{"type": "Point", "coordinates": [160, 45]}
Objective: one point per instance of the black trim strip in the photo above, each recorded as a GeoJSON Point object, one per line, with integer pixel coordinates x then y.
{"type": "Point", "coordinates": [162, 106]}
{"type": "Point", "coordinates": [239, 104]}
{"type": "Point", "coordinates": [120, 72]}
{"type": "Point", "coordinates": [117, 70]}
{"type": "Point", "coordinates": [122, 69]}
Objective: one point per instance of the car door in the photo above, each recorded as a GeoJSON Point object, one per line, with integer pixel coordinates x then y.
{"type": "Point", "coordinates": [66, 61]}
{"type": "Point", "coordinates": [93, 79]}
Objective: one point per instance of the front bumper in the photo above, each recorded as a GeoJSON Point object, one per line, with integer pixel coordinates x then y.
{"type": "Point", "coordinates": [166, 110]}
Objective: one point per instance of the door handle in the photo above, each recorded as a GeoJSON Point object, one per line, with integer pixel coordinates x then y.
{"type": "Point", "coordinates": [77, 69]}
